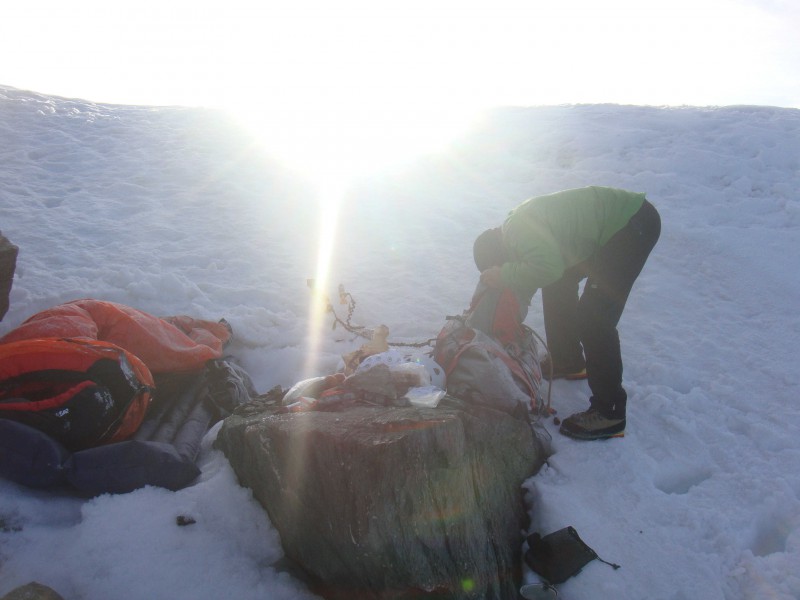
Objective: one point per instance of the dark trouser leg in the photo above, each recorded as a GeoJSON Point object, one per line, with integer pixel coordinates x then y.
{"type": "Point", "coordinates": [560, 307]}
{"type": "Point", "coordinates": [612, 272]}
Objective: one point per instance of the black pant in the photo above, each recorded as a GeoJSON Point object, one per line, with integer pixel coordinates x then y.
{"type": "Point", "coordinates": [591, 320]}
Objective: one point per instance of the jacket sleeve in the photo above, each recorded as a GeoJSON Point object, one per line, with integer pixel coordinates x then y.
{"type": "Point", "coordinates": [535, 260]}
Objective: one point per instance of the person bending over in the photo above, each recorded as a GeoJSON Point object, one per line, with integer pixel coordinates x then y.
{"type": "Point", "coordinates": [553, 242]}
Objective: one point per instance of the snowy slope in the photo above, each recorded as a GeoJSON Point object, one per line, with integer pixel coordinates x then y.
{"type": "Point", "coordinates": [177, 210]}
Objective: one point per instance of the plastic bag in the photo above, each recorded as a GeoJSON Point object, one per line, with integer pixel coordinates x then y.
{"type": "Point", "coordinates": [425, 397]}
{"type": "Point", "coordinates": [430, 372]}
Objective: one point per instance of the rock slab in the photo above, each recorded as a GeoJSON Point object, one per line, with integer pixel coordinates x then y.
{"type": "Point", "coordinates": [8, 264]}
{"type": "Point", "coordinates": [32, 591]}
{"type": "Point", "coordinates": [392, 503]}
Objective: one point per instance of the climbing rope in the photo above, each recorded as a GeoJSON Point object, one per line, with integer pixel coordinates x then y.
{"type": "Point", "coordinates": [346, 297]}
{"type": "Point", "coordinates": [550, 411]}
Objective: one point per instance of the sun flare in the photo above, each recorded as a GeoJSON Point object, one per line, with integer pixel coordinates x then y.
{"type": "Point", "coordinates": [331, 145]}
{"type": "Point", "coordinates": [330, 201]}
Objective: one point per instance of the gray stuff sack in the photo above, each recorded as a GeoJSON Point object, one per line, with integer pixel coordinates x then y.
{"type": "Point", "coordinates": [489, 355]}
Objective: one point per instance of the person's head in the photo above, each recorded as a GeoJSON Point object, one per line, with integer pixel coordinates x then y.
{"type": "Point", "coordinates": [489, 250]}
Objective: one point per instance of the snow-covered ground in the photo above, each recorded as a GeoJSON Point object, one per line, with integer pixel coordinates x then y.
{"type": "Point", "coordinates": [179, 211]}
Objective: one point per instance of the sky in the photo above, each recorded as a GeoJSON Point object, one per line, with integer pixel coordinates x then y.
{"type": "Point", "coordinates": [172, 211]}
{"type": "Point", "coordinates": [399, 77]}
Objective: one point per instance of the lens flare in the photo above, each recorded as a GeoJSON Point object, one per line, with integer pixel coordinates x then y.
{"type": "Point", "coordinates": [330, 198]}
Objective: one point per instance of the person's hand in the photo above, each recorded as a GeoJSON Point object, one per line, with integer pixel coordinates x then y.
{"type": "Point", "coordinates": [492, 277]}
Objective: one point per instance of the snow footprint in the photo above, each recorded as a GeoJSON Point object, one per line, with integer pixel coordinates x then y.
{"type": "Point", "coordinates": [678, 480]}
{"type": "Point", "coordinates": [775, 526]}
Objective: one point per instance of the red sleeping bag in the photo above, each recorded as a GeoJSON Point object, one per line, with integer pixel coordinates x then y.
{"type": "Point", "coordinates": [165, 345]}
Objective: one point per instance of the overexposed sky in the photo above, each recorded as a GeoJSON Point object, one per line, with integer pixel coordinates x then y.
{"type": "Point", "coordinates": [420, 51]}
{"type": "Point", "coordinates": [355, 65]}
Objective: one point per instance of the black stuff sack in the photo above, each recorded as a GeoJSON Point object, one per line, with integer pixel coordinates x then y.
{"type": "Point", "coordinates": [559, 555]}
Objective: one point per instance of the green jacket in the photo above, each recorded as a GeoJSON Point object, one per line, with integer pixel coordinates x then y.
{"type": "Point", "coordinates": [546, 235]}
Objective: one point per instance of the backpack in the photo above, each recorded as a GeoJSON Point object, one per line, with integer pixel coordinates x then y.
{"type": "Point", "coordinates": [81, 392]}
{"type": "Point", "coordinates": [489, 356]}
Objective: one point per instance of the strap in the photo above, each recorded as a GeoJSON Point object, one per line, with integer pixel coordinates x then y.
{"type": "Point", "coordinates": [574, 534]}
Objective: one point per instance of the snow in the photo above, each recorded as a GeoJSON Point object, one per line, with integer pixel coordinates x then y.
{"type": "Point", "coordinates": [180, 211]}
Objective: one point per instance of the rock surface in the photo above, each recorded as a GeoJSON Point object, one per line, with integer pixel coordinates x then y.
{"type": "Point", "coordinates": [392, 503]}
{"type": "Point", "coordinates": [32, 591]}
{"type": "Point", "coordinates": [8, 264]}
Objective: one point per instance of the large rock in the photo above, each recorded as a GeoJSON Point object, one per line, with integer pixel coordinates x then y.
{"type": "Point", "coordinates": [32, 591]}
{"type": "Point", "coordinates": [392, 503]}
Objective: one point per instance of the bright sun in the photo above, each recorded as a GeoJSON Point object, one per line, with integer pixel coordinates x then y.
{"type": "Point", "coordinates": [332, 143]}
{"type": "Point", "coordinates": [342, 89]}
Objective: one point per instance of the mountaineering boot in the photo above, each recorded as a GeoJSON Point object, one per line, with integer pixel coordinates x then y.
{"type": "Point", "coordinates": [592, 425]}
{"type": "Point", "coordinates": [559, 372]}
